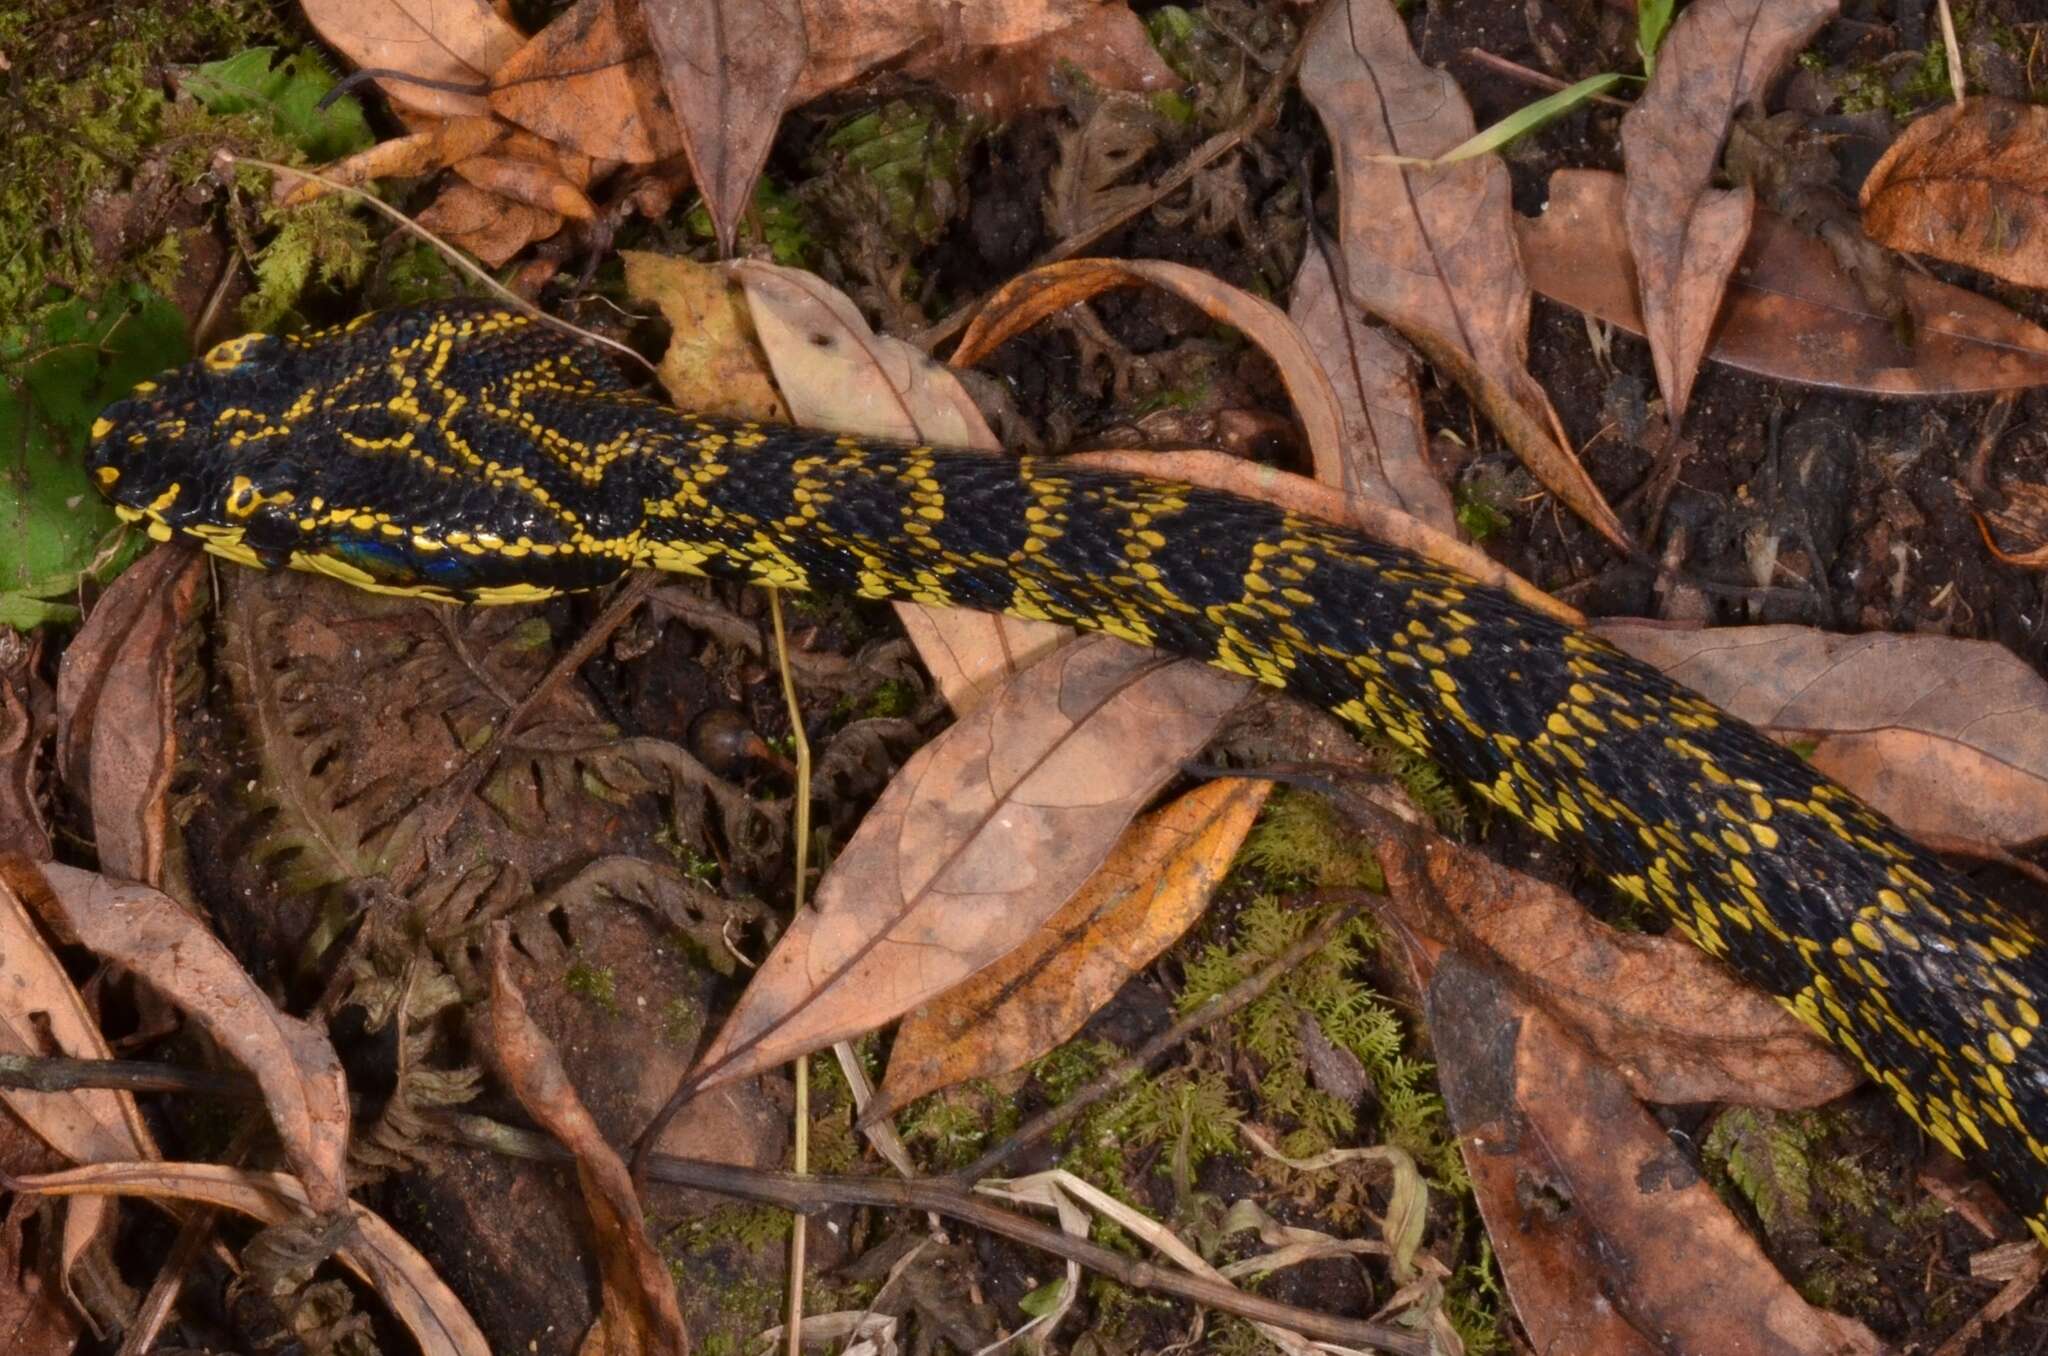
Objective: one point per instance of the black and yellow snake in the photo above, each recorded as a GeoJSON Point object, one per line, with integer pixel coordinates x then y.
{"type": "Point", "coordinates": [464, 452]}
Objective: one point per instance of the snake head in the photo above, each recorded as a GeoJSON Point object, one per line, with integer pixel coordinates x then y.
{"type": "Point", "coordinates": [176, 453]}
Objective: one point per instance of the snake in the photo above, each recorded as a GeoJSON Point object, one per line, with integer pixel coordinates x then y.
{"type": "Point", "coordinates": [465, 452]}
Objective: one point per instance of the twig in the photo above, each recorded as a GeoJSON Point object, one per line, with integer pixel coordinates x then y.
{"type": "Point", "coordinates": [793, 1325]}
{"type": "Point", "coordinates": [1517, 71]}
{"type": "Point", "coordinates": [1204, 155]}
{"type": "Point", "coordinates": [1350, 902]}
{"type": "Point", "coordinates": [805, 1195]}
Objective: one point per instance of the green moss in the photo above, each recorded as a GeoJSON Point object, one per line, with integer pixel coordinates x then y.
{"type": "Point", "coordinates": [956, 1124]}
{"type": "Point", "coordinates": [595, 983]}
{"type": "Point", "coordinates": [1299, 842]}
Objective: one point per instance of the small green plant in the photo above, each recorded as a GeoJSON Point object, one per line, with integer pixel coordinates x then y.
{"type": "Point", "coordinates": [1653, 21]}
{"type": "Point", "coordinates": [1299, 842]}
{"type": "Point", "coordinates": [1478, 514]}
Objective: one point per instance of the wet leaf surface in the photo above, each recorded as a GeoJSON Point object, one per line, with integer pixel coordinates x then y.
{"type": "Point", "coordinates": [1968, 184]}
{"type": "Point", "coordinates": [1684, 234]}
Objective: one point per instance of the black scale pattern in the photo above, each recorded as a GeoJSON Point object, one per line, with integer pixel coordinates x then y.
{"type": "Point", "coordinates": [465, 453]}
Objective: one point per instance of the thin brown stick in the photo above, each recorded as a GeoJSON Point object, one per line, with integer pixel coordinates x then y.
{"type": "Point", "coordinates": [806, 1195]}
{"type": "Point", "coordinates": [1204, 155]}
{"type": "Point", "coordinates": [1516, 71]}
{"type": "Point", "coordinates": [1351, 903]}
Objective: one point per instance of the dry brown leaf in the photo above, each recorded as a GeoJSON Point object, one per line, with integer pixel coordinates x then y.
{"type": "Point", "coordinates": [729, 67]}
{"type": "Point", "coordinates": [39, 1009]}
{"type": "Point", "coordinates": [488, 226]}
{"type": "Point", "coordinates": [1105, 42]}
{"type": "Point", "coordinates": [2021, 538]}
{"type": "Point", "coordinates": [589, 80]}
{"type": "Point", "coordinates": [1150, 890]}
{"type": "Point", "coordinates": [1792, 313]}
{"type": "Point", "coordinates": [639, 1315]}
{"type": "Point", "coordinates": [458, 41]}
{"type": "Point", "coordinates": [836, 373]}
{"type": "Point", "coordinates": [375, 1252]}
{"type": "Point", "coordinates": [1026, 300]}
{"type": "Point", "coordinates": [529, 182]}
{"type": "Point", "coordinates": [1684, 234]}
{"type": "Point", "coordinates": [114, 702]}
{"type": "Point", "coordinates": [980, 838]}
{"type": "Point", "coordinates": [1945, 736]}
{"type": "Point", "coordinates": [1382, 456]}
{"type": "Point", "coordinates": [713, 361]}
{"type": "Point", "coordinates": [147, 933]}
{"type": "Point", "coordinates": [1677, 1025]}
{"type": "Point", "coordinates": [1431, 249]}
{"type": "Point", "coordinates": [1541, 1122]}
{"type": "Point", "coordinates": [28, 721]}
{"type": "Point", "coordinates": [1968, 183]}
{"type": "Point", "coordinates": [409, 156]}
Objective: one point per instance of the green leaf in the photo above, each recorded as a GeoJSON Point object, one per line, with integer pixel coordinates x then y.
{"type": "Point", "coordinates": [289, 94]}
{"type": "Point", "coordinates": [1653, 20]}
{"type": "Point", "coordinates": [1045, 1299]}
{"type": "Point", "coordinates": [54, 382]}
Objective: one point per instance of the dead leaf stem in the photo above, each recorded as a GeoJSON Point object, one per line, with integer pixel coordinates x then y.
{"type": "Point", "coordinates": [1349, 904]}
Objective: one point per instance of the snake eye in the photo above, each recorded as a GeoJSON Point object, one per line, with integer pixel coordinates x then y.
{"type": "Point", "coordinates": [230, 354]}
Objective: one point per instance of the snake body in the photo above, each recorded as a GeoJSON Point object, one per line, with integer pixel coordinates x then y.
{"type": "Point", "coordinates": [467, 453]}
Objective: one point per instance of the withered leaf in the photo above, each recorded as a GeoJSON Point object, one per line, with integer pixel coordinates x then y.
{"type": "Point", "coordinates": [531, 182]}
{"type": "Point", "coordinates": [729, 67]}
{"type": "Point", "coordinates": [1684, 234]}
{"type": "Point", "coordinates": [114, 696]}
{"type": "Point", "coordinates": [1677, 1025]}
{"type": "Point", "coordinates": [1577, 1183]}
{"type": "Point", "coordinates": [148, 933]}
{"type": "Point", "coordinates": [375, 1251]}
{"type": "Point", "coordinates": [1152, 887]}
{"type": "Point", "coordinates": [1104, 42]}
{"type": "Point", "coordinates": [458, 42]}
{"type": "Point", "coordinates": [1382, 455]}
{"type": "Point", "coordinates": [1791, 312]}
{"type": "Point", "coordinates": [1946, 736]}
{"type": "Point", "coordinates": [414, 154]}
{"type": "Point", "coordinates": [589, 80]}
{"type": "Point", "coordinates": [980, 838]}
{"type": "Point", "coordinates": [862, 382]}
{"type": "Point", "coordinates": [1968, 183]}
{"type": "Point", "coordinates": [1431, 249]}
{"type": "Point", "coordinates": [488, 226]}
{"type": "Point", "coordinates": [639, 1315]}
{"type": "Point", "coordinates": [1042, 292]}
{"type": "Point", "coordinates": [713, 361]}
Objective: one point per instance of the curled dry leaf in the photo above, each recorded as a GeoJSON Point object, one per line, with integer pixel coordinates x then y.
{"type": "Point", "coordinates": [436, 147]}
{"type": "Point", "coordinates": [836, 373]}
{"type": "Point", "coordinates": [1026, 300]}
{"type": "Point", "coordinates": [1543, 1123]}
{"type": "Point", "coordinates": [1431, 249]}
{"type": "Point", "coordinates": [39, 1008]}
{"type": "Point", "coordinates": [1948, 737]}
{"type": "Point", "coordinates": [375, 1253]}
{"type": "Point", "coordinates": [146, 932]}
{"type": "Point", "coordinates": [639, 1315]}
{"type": "Point", "coordinates": [1381, 455]}
{"type": "Point", "coordinates": [1968, 183]}
{"type": "Point", "coordinates": [1792, 311]}
{"type": "Point", "coordinates": [114, 696]}
{"type": "Point", "coordinates": [458, 42]}
{"type": "Point", "coordinates": [1152, 888]}
{"type": "Point", "coordinates": [1677, 1025]}
{"type": "Point", "coordinates": [531, 182]}
{"type": "Point", "coordinates": [980, 838]}
{"type": "Point", "coordinates": [713, 361]}
{"type": "Point", "coordinates": [1684, 234]}
{"type": "Point", "coordinates": [1105, 42]}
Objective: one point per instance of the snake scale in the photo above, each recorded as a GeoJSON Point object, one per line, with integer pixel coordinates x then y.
{"type": "Point", "coordinates": [464, 452]}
